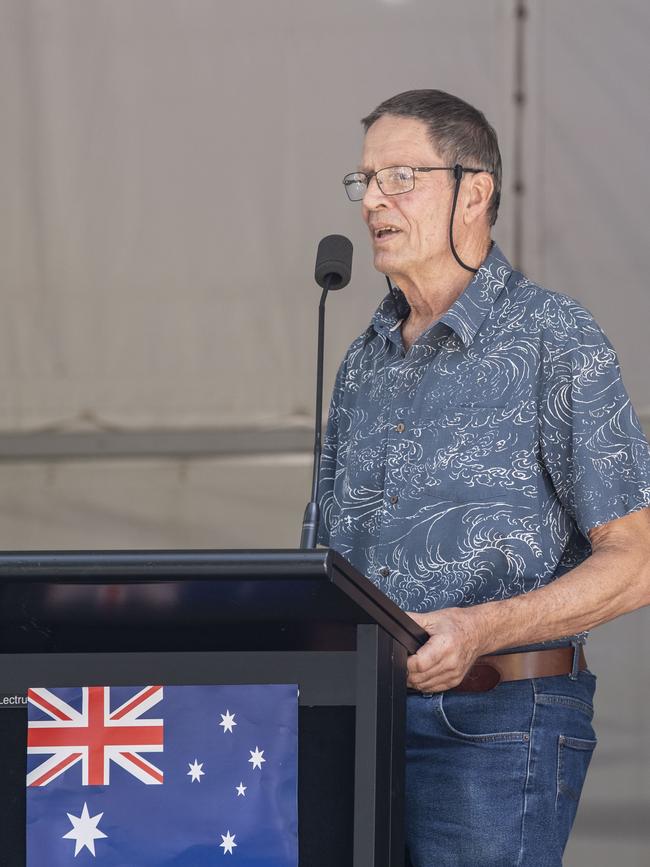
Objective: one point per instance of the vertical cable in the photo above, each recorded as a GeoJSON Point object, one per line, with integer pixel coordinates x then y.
{"type": "Point", "coordinates": [519, 95]}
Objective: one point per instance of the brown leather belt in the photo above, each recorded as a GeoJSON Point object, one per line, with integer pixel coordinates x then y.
{"type": "Point", "coordinates": [488, 671]}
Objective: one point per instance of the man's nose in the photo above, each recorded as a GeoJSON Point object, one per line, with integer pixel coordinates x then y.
{"type": "Point", "coordinates": [373, 196]}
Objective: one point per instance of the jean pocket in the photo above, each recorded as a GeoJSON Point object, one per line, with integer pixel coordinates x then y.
{"type": "Point", "coordinates": [563, 696]}
{"type": "Point", "coordinates": [487, 717]}
{"type": "Point", "coordinates": [573, 758]}
{"type": "Point", "coordinates": [567, 701]}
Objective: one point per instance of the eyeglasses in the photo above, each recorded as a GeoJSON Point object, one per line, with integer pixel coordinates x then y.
{"type": "Point", "coordinates": [394, 180]}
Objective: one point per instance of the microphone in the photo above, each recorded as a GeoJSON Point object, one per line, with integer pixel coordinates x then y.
{"type": "Point", "coordinates": [333, 262]}
{"type": "Point", "coordinates": [333, 269]}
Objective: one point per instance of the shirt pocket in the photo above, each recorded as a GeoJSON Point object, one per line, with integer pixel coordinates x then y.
{"type": "Point", "coordinates": [472, 453]}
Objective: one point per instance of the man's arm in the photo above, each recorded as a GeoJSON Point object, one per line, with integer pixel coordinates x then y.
{"type": "Point", "coordinates": [614, 580]}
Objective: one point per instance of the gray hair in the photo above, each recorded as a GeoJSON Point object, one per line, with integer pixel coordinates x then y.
{"type": "Point", "coordinates": [458, 131]}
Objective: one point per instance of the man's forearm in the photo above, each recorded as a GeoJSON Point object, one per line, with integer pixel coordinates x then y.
{"type": "Point", "coordinates": [612, 581]}
{"type": "Point", "coordinates": [615, 579]}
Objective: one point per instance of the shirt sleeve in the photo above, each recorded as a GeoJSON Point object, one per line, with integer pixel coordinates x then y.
{"type": "Point", "coordinates": [593, 446]}
{"type": "Point", "coordinates": [329, 458]}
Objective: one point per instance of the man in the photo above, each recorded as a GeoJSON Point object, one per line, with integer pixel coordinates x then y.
{"type": "Point", "coordinates": [484, 467]}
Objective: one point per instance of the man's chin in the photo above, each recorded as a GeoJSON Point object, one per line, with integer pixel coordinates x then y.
{"type": "Point", "coordinates": [384, 262]}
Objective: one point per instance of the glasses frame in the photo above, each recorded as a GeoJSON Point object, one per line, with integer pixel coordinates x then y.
{"type": "Point", "coordinates": [458, 171]}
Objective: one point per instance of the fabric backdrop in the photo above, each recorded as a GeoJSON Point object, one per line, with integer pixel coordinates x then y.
{"type": "Point", "coordinates": [168, 166]}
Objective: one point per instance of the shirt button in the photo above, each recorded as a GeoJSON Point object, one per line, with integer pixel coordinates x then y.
{"type": "Point", "coordinates": [384, 572]}
{"type": "Point", "coordinates": [401, 427]}
{"type": "Point", "coordinates": [394, 499]}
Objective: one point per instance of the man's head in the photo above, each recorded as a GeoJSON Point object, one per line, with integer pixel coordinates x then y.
{"type": "Point", "coordinates": [409, 225]}
{"type": "Point", "coordinates": [458, 132]}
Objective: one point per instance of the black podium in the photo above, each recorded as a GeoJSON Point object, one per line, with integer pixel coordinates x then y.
{"type": "Point", "coordinates": [305, 617]}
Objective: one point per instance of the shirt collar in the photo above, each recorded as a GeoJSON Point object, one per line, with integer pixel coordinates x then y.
{"type": "Point", "coordinates": [467, 313]}
{"type": "Point", "coordinates": [469, 310]}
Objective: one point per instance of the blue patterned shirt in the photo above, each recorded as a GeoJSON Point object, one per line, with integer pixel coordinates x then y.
{"type": "Point", "coordinates": [472, 467]}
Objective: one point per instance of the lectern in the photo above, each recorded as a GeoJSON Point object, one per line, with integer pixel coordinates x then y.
{"type": "Point", "coordinates": [207, 616]}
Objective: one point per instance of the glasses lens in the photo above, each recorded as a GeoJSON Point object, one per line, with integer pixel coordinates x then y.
{"type": "Point", "coordinates": [396, 179]}
{"type": "Point", "coordinates": [355, 185]}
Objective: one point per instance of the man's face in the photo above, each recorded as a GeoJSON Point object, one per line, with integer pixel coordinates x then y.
{"type": "Point", "coordinates": [420, 245]}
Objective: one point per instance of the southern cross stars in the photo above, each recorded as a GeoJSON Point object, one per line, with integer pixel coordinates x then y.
{"type": "Point", "coordinates": [228, 843]}
{"type": "Point", "coordinates": [227, 721]}
{"type": "Point", "coordinates": [195, 771]}
{"type": "Point", "coordinates": [84, 831]}
{"type": "Point", "coordinates": [257, 757]}
{"type": "Point", "coordinates": [241, 790]}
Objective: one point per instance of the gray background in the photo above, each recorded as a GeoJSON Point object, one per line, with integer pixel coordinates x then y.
{"type": "Point", "coordinates": [166, 170]}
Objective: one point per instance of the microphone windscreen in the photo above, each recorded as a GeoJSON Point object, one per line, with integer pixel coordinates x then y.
{"type": "Point", "coordinates": [334, 261]}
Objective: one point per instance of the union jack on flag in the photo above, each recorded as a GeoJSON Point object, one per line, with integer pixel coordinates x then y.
{"type": "Point", "coordinates": [95, 736]}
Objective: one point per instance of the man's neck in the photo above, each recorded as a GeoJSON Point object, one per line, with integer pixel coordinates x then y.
{"type": "Point", "coordinates": [431, 295]}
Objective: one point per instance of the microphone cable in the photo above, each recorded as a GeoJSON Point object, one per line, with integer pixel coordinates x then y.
{"type": "Point", "coordinates": [458, 175]}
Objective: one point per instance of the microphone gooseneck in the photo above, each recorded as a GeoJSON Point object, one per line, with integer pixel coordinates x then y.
{"type": "Point", "coordinates": [332, 272]}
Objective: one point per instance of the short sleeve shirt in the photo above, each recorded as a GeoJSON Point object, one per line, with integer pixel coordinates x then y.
{"type": "Point", "coordinates": [472, 467]}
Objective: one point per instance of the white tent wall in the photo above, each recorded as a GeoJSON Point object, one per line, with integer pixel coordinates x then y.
{"type": "Point", "coordinates": [586, 167]}
{"type": "Point", "coordinates": [169, 166]}
{"type": "Point", "coordinates": [166, 170]}
{"type": "Point", "coordinates": [236, 502]}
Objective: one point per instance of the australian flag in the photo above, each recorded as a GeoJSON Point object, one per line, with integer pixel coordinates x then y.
{"type": "Point", "coordinates": [153, 776]}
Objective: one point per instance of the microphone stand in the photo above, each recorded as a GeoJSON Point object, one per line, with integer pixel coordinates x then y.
{"type": "Point", "coordinates": [312, 512]}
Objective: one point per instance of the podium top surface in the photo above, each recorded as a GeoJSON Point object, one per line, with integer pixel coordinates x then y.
{"type": "Point", "coordinates": [64, 600]}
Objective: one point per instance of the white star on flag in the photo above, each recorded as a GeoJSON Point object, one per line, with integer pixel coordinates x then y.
{"type": "Point", "coordinates": [257, 757]}
{"type": "Point", "coordinates": [228, 843]}
{"type": "Point", "coordinates": [241, 790]}
{"type": "Point", "coordinates": [227, 721]}
{"type": "Point", "coordinates": [195, 770]}
{"type": "Point", "coordinates": [84, 831]}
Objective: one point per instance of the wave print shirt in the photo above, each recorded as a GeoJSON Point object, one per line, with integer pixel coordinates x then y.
{"type": "Point", "coordinates": [472, 467]}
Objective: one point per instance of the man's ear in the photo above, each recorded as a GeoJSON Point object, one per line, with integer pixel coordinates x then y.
{"type": "Point", "coordinates": [479, 196]}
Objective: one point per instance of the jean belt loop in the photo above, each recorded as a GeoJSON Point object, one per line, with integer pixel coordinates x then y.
{"type": "Point", "coordinates": [575, 666]}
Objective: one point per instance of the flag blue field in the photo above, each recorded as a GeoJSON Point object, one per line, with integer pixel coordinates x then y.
{"type": "Point", "coordinates": [153, 776]}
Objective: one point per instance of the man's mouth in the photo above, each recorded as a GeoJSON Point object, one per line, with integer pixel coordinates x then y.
{"type": "Point", "coordinates": [380, 232]}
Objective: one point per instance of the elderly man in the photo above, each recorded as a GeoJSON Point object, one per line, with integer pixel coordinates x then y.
{"type": "Point", "coordinates": [484, 467]}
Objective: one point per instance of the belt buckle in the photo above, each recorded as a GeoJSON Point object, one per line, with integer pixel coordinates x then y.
{"type": "Point", "coordinates": [481, 677]}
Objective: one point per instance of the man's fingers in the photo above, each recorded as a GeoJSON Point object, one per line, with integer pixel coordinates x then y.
{"type": "Point", "coordinates": [436, 667]}
{"type": "Point", "coordinates": [446, 657]}
{"type": "Point", "coordinates": [425, 684]}
{"type": "Point", "coordinates": [437, 683]}
{"type": "Point", "coordinates": [433, 657]}
{"type": "Point", "coordinates": [420, 662]}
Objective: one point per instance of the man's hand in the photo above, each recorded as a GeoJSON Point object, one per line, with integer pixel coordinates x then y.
{"type": "Point", "coordinates": [444, 660]}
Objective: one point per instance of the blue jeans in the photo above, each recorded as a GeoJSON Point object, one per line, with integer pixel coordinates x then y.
{"type": "Point", "coordinates": [493, 779]}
